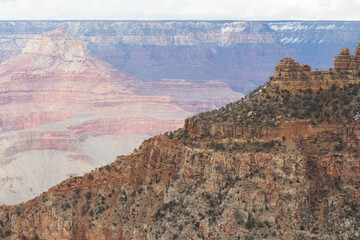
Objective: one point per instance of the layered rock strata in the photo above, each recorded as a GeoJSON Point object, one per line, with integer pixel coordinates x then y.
{"type": "Point", "coordinates": [281, 164]}
{"type": "Point", "coordinates": [64, 113]}
{"type": "Point", "coordinates": [240, 53]}
{"type": "Point", "coordinates": [345, 61]}
{"type": "Point", "coordinates": [290, 75]}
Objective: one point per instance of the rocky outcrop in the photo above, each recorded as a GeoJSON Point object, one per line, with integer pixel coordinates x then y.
{"type": "Point", "coordinates": [274, 165]}
{"type": "Point", "coordinates": [345, 61]}
{"type": "Point", "coordinates": [290, 75]}
{"type": "Point", "coordinates": [240, 53]}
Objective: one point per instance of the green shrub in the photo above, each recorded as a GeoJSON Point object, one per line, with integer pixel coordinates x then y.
{"type": "Point", "coordinates": [88, 195]}
{"type": "Point", "coordinates": [250, 223]}
{"type": "Point", "coordinates": [8, 232]}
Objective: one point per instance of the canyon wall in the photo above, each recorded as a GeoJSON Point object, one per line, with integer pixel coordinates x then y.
{"type": "Point", "coordinates": [283, 163]}
{"type": "Point", "coordinates": [61, 89]}
{"type": "Point", "coordinates": [64, 112]}
{"type": "Point", "coordinates": [240, 53]}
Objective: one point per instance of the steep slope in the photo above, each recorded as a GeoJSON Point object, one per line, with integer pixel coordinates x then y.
{"type": "Point", "coordinates": [283, 163]}
{"type": "Point", "coordinates": [64, 113]}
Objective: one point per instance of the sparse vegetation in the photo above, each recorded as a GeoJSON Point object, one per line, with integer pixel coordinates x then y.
{"type": "Point", "coordinates": [234, 174]}
{"type": "Point", "coordinates": [262, 112]}
{"type": "Point", "coordinates": [90, 177]}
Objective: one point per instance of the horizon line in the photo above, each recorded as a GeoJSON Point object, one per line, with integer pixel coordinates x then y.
{"type": "Point", "coordinates": [171, 20]}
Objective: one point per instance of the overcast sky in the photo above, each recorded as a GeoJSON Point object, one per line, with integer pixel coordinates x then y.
{"type": "Point", "coordinates": [181, 9]}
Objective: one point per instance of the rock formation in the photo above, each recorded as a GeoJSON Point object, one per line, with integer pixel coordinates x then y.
{"type": "Point", "coordinates": [72, 113]}
{"type": "Point", "coordinates": [61, 108]}
{"type": "Point", "coordinates": [283, 163]}
{"type": "Point", "coordinates": [345, 61]}
{"type": "Point", "coordinates": [240, 53]}
{"type": "Point", "coordinates": [290, 75]}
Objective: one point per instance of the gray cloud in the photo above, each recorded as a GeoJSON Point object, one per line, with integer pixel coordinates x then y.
{"type": "Point", "coordinates": [181, 9]}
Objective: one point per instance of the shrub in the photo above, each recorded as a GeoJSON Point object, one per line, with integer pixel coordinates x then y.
{"type": "Point", "coordinates": [260, 225]}
{"type": "Point", "coordinates": [340, 146]}
{"type": "Point", "coordinates": [217, 146]}
{"type": "Point", "coordinates": [333, 87]}
{"type": "Point", "coordinates": [8, 232]}
{"type": "Point", "coordinates": [250, 223]}
{"type": "Point", "coordinates": [66, 206]}
{"type": "Point", "coordinates": [88, 195]}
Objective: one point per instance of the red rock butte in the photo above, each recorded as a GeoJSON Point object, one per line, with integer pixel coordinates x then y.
{"type": "Point", "coordinates": [290, 75]}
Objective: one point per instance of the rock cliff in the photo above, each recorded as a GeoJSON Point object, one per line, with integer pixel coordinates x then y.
{"type": "Point", "coordinates": [71, 112]}
{"type": "Point", "coordinates": [240, 53]}
{"type": "Point", "coordinates": [345, 61]}
{"type": "Point", "coordinates": [61, 107]}
{"type": "Point", "coordinates": [290, 75]}
{"type": "Point", "coordinates": [282, 163]}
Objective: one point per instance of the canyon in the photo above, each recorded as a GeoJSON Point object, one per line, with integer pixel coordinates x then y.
{"type": "Point", "coordinates": [64, 113]}
{"type": "Point", "coordinates": [281, 163]}
{"type": "Point", "coordinates": [240, 53]}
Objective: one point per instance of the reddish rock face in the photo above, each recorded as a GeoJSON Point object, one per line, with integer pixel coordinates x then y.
{"type": "Point", "coordinates": [54, 96]}
{"type": "Point", "coordinates": [240, 53]}
{"type": "Point", "coordinates": [345, 61]}
{"type": "Point", "coordinates": [276, 165]}
{"type": "Point", "coordinates": [290, 75]}
{"type": "Point", "coordinates": [60, 104]}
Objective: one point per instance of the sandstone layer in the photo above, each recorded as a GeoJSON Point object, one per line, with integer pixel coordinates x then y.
{"type": "Point", "coordinates": [60, 104]}
{"type": "Point", "coordinates": [283, 163]}
{"type": "Point", "coordinates": [290, 75]}
{"type": "Point", "coordinates": [240, 53]}
{"type": "Point", "coordinates": [61, 108]}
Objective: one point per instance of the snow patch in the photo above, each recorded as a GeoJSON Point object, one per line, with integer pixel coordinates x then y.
{"type": "Point", "coordinates": [294, 26]}
{"type": "Point", "coordinates": [233, 27]}
{"type": "Point", "coordinates": [326, 27]}
{"type": "Point", "coordinates": [288, 40]}
{"type": "Point", "coordinates": [297, 26]}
